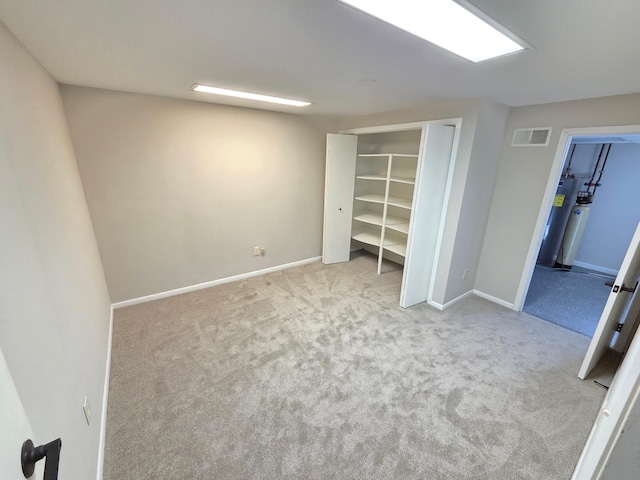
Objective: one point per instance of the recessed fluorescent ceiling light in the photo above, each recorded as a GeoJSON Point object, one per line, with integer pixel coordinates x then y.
{"type": "Point", "coordinates": [251, 96]}
{"type": "Point", "coordinates": [445, 23]}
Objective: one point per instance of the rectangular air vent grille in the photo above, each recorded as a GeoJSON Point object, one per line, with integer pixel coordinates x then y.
{"type": "Point", "coordinates": [531, 137]}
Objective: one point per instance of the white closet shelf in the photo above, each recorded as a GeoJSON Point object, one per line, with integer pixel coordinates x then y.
{"type": "Point", "coordinates": [373, 177]}
{"type": "Point", "coordinates": [400, 202]}
{"type": "Point", "coordinates": [393, 220]}
{"type": "Point", "coordinates": [373, 198]}
{"type": "Point", "coordinates": [395, 244]}
{"type": "Point", "coordinates": [399, 227]}
{"type": "Point", "coordinates": [373, 238]}
{"type": "Point", "coordinates": [399, 249]}
{"type": "Point", "coordinates": [371, 218]}
{"type": "Point", "coordinates": [397, 224]}
{"type": "Point", "coordinates": [387, 155]}
{"type": "Point", "coordinates": [368, 238]}
{"type": "Point", "coordinates": [407, 180]}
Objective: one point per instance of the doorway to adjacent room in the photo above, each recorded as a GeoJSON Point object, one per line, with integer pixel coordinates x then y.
{"type": "Point", "coordinates": [592, 219]}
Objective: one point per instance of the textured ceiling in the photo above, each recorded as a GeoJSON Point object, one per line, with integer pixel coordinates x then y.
{"type": "Point", "coordinates": [325, 52]}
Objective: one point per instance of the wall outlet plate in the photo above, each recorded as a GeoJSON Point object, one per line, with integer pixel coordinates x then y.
{"type": "Point", "coordinates": [87, 410]}
{"type": "Point", "coordinates": [256, 251]}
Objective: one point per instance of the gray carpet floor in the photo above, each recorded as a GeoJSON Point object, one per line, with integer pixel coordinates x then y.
{"type": "Point", "coordinates": [572, 299]}
{"type": "Point", "coordinates": [316, 373]}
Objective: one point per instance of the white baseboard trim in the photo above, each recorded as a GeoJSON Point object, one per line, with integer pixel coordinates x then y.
{"type": "Point", "coordinates": [493, 299]}
{"type": "Point", "coordinates": [597, 268]}
{"type": "Point", "coordinates": [442, 307]}
{"type": "Point", "coordinates": [105, 398]}
{"type": "Point", "coordinates": [457, 299]}
{"type": "Point", "coordinates": [213, 283]}
{"type": "Point", "coordinates": [436, 305]}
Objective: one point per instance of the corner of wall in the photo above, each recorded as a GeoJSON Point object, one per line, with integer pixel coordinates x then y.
{"type": "Point", "coordinates": [477, 188]}
{"type": "Point", "coordinates": [105, 401]}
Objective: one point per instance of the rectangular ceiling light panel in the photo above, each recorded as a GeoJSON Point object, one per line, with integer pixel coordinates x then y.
{"type": "Point", "coordinates": [249, 96]}
{"type": "Point", "coordinates": [444, 23]}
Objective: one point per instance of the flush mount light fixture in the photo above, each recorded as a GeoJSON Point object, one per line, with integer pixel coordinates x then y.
{"type": "Point", "coordinates": [465, 31]}
{"type": "Point", "coordinates": [250, 96]}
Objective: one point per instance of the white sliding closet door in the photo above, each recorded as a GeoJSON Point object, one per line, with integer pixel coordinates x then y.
{"type": "Point", "coordinates": [338, 197]}
{"type": "Point", "coordinates": [426, 213]}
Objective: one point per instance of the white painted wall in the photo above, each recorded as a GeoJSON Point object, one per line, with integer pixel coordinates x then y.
{"type": "Point", "coordinates": [474, 175]}
{"type": "Point", "coordinates": [615, 212]}
{"type": "Point", "coordinates": [54, 304]}
{"type": "Point", "coordinates": [583, 161]}
{"type": "Point", "coordinates": [180, 192]}
{"type": "Point", "coordinates": [522, 178]}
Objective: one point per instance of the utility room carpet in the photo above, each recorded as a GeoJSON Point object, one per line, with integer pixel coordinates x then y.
{"type": "Point", "coordinates": [572, 299]}
{"type": "Point", "coordinates": [316, 373]}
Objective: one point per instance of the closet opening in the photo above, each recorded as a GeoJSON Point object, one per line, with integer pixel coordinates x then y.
{"type": "Point", "coordinates": [386, 190]}
{"type": "Point", "coordinates": [385, 178]}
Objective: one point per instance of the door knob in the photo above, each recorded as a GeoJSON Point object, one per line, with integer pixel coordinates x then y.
{"type": "Point", "coordinates": [30, 455]}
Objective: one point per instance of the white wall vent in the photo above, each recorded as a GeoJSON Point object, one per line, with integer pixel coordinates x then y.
{"type": "Point", "coordinates": [531, 137]}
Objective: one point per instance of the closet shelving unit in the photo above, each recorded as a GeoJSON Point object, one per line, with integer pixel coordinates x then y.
{"type": "Point", "coordinates": [383, 201]}
{"type": "Point", "coordinates": [390, 204]}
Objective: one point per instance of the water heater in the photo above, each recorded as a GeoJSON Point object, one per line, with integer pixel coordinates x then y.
{"type": "Point", "coordinates": [572, 236]}
{"type": "Point", "coordinates": [557, 222]}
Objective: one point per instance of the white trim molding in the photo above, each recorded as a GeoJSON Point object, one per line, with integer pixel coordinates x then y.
{"type": "Point", "coordinates": [596, 268]}
{"type": "Point", "coordinates": [212, 283]}
{"type": "Point", "coordinates": [493, 299]}
{"type": "Point", "coordinates": [436, 305]}
{"type": "Point", "coordinates": [400, 127]}
{"type": "Point", "coordinates": [450, 303]}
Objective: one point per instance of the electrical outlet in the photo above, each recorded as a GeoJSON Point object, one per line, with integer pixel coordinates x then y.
{"type": "Point", "coordinates": [464, 273]}
{"type": "Point", "coordinates": [263, 251]}
{"type": "Point", "coordinates": [256, 251]}
{"type": "Point", "coordinates": [87, 410]}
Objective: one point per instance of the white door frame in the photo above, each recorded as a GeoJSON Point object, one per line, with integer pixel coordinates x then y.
{"type": "Point", "coordinates": [566, 136]}
{"type": "Point", "coordinates": [399, 127]}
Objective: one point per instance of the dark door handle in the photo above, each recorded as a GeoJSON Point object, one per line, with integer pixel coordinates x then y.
{"type": "Point", "coordinates": [30, 455]}
{"type": "Point", "coordinates": [624, 288]}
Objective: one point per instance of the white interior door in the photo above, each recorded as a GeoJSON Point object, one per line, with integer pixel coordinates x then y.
{"type": "Point", "coordinates": [338, 197]}
{"type": "Point", "coordinates": [14, 425]}
{"type": "Point", "coordinates": [616, 306]}
{"type": "Point", "coordinates": [630, 324]}
{"type": "Point", "coordinates": [612, 421]}
{"type": "Point", "coordinates": [426, 213]}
